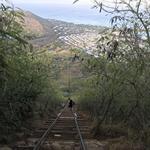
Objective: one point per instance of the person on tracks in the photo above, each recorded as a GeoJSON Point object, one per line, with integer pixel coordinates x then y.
{"type": "Point", "coordinates": [71, 103]}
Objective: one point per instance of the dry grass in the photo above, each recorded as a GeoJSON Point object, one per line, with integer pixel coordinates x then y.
{"type": "Point", "coordinates": [125, 145]}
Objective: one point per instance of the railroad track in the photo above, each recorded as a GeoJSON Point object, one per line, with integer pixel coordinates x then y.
{"type": "Point", "coordinates": [66, 130]}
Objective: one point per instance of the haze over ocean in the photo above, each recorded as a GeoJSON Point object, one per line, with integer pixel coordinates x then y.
{"type": "Point", "coordinates": [80, 14]}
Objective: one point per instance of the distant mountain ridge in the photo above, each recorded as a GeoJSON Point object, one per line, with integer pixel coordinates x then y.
{"type": "Point", "coordinates": [49, 30]}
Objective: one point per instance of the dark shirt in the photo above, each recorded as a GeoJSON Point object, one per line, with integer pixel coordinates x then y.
{"type": "Point", "coordinates": [71, 103]}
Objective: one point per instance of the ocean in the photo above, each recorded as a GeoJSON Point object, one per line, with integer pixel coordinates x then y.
{"type": "Point", "coordinates": [69, 13]}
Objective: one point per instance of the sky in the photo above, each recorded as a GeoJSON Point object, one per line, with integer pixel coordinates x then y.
{"type": "Point", "coordinates": [66, 2]}
{"type": "Point", "coordinates": [65, 10]}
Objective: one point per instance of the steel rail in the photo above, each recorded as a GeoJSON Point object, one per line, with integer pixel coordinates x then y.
{"type": "Point", "coordinates": [44, 136]}
{"type": "Point", "coordinates": [79, 132]}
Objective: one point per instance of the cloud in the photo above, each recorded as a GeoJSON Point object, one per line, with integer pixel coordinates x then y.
{"type": "Point", "coordinates": [50, 2]}
{"type": "Point", "coordinates": [110, 3]}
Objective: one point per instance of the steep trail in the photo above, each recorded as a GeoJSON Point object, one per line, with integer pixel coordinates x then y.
{"type": "Point", "coordinates": [63, 135]}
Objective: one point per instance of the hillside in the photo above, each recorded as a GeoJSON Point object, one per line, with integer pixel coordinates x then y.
{"type": "Point", "coordinates": [53, 31]}
{"type": "Point", "coordinates": [32, 25]}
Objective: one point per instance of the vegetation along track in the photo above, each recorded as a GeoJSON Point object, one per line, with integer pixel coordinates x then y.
{"type": "Point", "coordinates": [68, 131]}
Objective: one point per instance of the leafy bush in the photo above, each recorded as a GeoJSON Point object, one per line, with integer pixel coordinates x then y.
{"type": "Point", "coordinates": [24, 74]}
{"type": "Point", "coordinates": [120, 75]}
